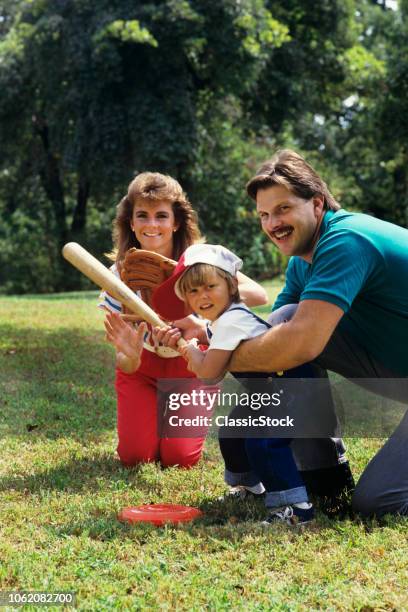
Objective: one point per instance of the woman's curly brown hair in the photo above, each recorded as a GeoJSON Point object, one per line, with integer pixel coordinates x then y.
{"type": "Point", "coordinates": [153, 187]}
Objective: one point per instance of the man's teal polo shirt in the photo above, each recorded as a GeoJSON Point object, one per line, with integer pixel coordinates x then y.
{"type": "Point", "coordinates": [360, 264]}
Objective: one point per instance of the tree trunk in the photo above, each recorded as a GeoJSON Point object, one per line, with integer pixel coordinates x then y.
{"type": "Point", "coordinates": [51, 180]}
{"type": "Point", "coordinates": [79, 219]}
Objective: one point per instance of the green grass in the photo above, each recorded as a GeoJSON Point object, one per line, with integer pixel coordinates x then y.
{"type": "Point", "coordinates": [272, 288]}
{"type": "Point", "coordinates": [61, 488]}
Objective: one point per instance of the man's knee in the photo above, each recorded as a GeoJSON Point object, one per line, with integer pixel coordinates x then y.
{"type": "Point", "coordinates": [282, 314]}
{"type": "Point", "coordinates": [363, 503]}
{"type": "Point", "coordinates": [368, 501]}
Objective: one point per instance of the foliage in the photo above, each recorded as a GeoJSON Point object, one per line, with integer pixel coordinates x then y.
{"type": "Point", "coordinates": [93, 94]}
{"type": "Point", "coordinates": [198, 89]}
{"type": "Point", "coordinates": [307, 73]}
{"type": "Point", "coordinates": [356, 141]}
{"type": "Point", "coordinates": [219, 177]}
{"type": "Point", "coordinates": [393, 120]}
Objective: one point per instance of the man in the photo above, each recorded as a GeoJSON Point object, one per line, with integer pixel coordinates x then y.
{"type": "Point", "coordinates": [348, 273]}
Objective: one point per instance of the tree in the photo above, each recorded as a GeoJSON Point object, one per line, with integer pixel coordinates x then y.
{"type": "Point", "coordinates": [202, 90]}
{"type": "Point", "coordinates": [394, 118]}
{"type": "Point", "coordinates": [308, 73]}
{"type": "Point", "coordinates": [93, 94]}
{"type": "Point", "coordinates": [350, 137]}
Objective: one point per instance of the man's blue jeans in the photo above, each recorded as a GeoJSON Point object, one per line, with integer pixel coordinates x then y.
{"type": "Point", "coordinates": [383, 486]}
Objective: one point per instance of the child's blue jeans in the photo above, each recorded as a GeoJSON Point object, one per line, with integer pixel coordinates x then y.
{"type": "Point", "coordinates": [249, 461]}
{"type": "Point", "coordinates": [272, 460]}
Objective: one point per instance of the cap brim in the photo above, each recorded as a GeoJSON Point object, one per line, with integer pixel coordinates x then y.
{"type": "Point", "coordinates": [166, 303]}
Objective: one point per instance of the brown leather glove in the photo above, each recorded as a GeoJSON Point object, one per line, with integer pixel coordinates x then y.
{"type": "Point", "coordinates": [144, 270]}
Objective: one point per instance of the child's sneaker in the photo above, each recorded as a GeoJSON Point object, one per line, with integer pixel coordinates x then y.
{"type": "Point", "coordinates": [243, 492]}
{"type": "Point", "coordinates": [293, 516]}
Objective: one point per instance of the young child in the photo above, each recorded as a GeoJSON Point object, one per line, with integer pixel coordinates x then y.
{"type": "Point", "coordinates": [204, 282]}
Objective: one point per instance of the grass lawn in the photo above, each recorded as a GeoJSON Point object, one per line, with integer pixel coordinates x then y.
{"type": "Point", "coordinates": [62, 487]}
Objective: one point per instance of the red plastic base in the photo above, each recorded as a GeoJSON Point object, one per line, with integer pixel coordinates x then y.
{"type": "Point", "coordinates": [159, 514]}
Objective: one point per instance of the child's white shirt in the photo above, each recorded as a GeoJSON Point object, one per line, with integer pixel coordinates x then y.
{"type": "Point", "coordinates": [237, 323]}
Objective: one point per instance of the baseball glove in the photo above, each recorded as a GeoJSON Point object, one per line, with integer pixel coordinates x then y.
{"type": "Point", "coordinates": [144, 270]}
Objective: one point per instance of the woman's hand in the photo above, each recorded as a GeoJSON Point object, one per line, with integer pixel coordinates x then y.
{"type": "Point", "coordinates": [124, 337]}
{"type": "Point", "coordinates": [251, 292]}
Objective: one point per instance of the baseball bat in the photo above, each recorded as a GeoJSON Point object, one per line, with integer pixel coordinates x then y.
{"type": "Point", "coordinates": [105, 279]}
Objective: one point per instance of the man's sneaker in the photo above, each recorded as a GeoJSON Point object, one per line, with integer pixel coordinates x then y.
{"type": "Point", "coordinates": [242, 492]}
{"type": "Point", "coordinates": [290, 515]}
{"type": "Point", "coordinates": [332, 489]}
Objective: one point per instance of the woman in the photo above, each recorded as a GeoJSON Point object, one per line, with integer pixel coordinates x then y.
{"type": "Point", "coordinates": [155, 215]}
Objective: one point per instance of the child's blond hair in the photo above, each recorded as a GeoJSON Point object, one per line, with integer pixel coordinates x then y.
{"type": "Point", "coordinates": [198, 275]}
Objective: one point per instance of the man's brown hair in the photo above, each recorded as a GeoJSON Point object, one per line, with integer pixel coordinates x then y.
{"type": "Point", "coordinates": [289, 169]}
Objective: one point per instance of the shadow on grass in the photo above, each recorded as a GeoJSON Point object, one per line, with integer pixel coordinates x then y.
{"type": "Point", "coordinates": [105, 473]}
{"type": "Point", "coordinates": [227, 524]}
{"type": "Point", "coordinates": [226, 529]}
{"type": "Point", "coordinates": [55, 382]}
{"type": "Point", "coordinates": [224, 521]}
{"type": "Point", "coordinates": [110, 528]}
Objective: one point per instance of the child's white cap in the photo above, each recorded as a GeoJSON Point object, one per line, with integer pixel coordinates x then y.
{"type": "Point", "coordinates": [167, 300]}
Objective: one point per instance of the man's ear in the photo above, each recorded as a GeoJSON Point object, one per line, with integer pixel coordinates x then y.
{"type": "Point", "coordinates": [318, 203]}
